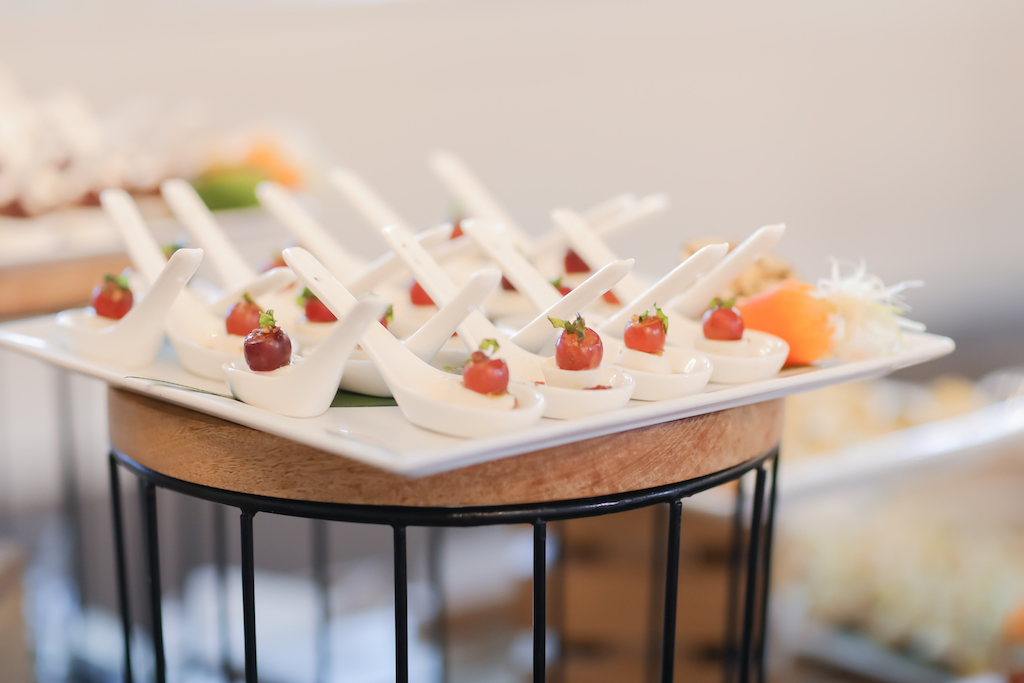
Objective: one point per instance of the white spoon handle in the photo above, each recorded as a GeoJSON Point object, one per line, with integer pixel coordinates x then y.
{"type": "Point", "coordinates": [534, 335]}
{"type": "Point", "coordinates": [494, 240]}
{"type": "Point", "coordinates": [394, 362]}
{"type": "Point", "coordinates": [678, 279]}
{"type": "Point", "coordinates": [594, 252]}
{"type": "Point", "coordinates": [428, 340]}
{"type": "Point", "coordinates": [693, 302]}
{"type": "Point", "coordinates": [271, 281]}
{"type": "Point", "coordinates": [367, 202]}
{"type": "Point", "coordinates": [145, 320]}
{"type": "Point", "coordinates": [200, 223]}
{"type": "Point", "coordinates": [646, 207]}
{"type": "Point", "coordinates": [468, 189]}
{"type": "Point", "coordinates": [143, 250]}
{"type": "Point", "coordinates": [310, 233]}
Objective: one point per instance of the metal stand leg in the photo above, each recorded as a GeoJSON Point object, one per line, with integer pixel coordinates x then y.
{"type": "Point", "coordinates": [401, 608]}
{"type": "Point", "coordinates": [668, 633]}
{"type": "Point", "coordinates": [750, 598]}
{"type": "Point", "coordinates": [733, 599]}
{"type": "Point", "coordinates": [121, 568]}
{"type": "Point", "coordinates": [559, 571]}
{"type": "Point", "coordinates": [767, 568]}
{"type": "Point", "coordinates": [147, 493]}
{"type": "Point", "coordinates": [540, 537]}
{"type": "Point", "coordinates": [220, 561]}
{"type": "Point", "coordinates": [322, 581]}
{"type": "Point", "coordinates": [248, 598]}
{"type": "Point", "coordinates": [435, 568]}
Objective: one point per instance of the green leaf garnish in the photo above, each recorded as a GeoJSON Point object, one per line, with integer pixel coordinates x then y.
{"type": "Point", "coordinates": [306, 294]}
{"type": "Point", "coordinates": [557, 282]}
{"type": "Point", "coordinates": [489, 345]}
{"type": "Point", "coordinates": [246, 298]}
{"type": "Point", "coordinates": [718, 303]}
{"type": "Point", "coordinates": [389, 315]}
{"type": "Point", "coordinates": [267, 319]}
{"type": "Point", "coordinates": [657, 312]}
{"type": "Point", "coordinates": [169, 249]}
{"type": "Point", "coordinates": [577, 327]}
{"type": "Point", "coordinates": [120, 280]}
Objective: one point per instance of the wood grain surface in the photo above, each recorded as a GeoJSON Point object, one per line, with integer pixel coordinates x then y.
{"type": "Point", "coordinates": [48, 287]}
{"type": "Point", "coordinates": [201, 449]}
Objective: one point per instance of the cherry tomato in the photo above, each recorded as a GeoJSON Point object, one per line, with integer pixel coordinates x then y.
{"type": "Point", "coordinates": [574, 264]}
{"type": "Point", "coordinates": [485, 375]}
{"type": "Point", "coordinates": [243, 317]}
{"type": "Point", "coordinates": [645, 333]}
{"type": "Point", "coordinates": [456, 229]}
{"type": "Point", "coordinates": [573, 353]}
{"type": "Point", "coordinates": [723, 322]}
{"type": "Point", "coordinates": [112, 299]}
{"type": "Point", "coordinates": [317, 312]}
{"type": "Point", "coordinates": [506, 285]}
{"type": "Point", "coordinates": [610, 297]}
{"type": "Point", "coordinates": [267, 347]}
{"type": "Point", "coordinates": [419, 296]}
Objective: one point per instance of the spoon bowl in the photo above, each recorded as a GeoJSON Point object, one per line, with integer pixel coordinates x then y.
{"type": "Point", "coordinates": [306, 386]}
{"type": "Point", "coordinates": [134, 340]}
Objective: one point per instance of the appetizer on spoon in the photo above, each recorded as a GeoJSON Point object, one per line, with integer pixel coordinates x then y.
{"type": "Point", "coordinates": [428, 397]}
{"type": "Point", "coordinates": [271, 377]}
{"type": "Point", "coordinates": [562, 403]}
{"type": "Point", "coordinates": [123, 331]}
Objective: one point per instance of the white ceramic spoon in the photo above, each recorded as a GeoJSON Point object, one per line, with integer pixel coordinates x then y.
{"type": "Point", "coordinates": [758, 355]}
{"type": "Point", "coordinates": [592, 249]}
{"type": "Point", "coordinates": [562, 403]}
{"type": "Point", "coordinates": [132, 341]}
{"type": "Point", "coordinates": [234, 272]}
{"type": "Point", "coordinates": [361, 374]}
{"type": "Point", "coordinates": [694, 301]}
{"type": "Point", "coordinates": [495, 240]}
{"type": "Point", "coordinates": [310, 233]}
{"type": "Point", "coordinates": [306, 386]}
{"type": "Point", "coordinates": [428, 397]}
{"type": "Point", "coordinates": [195, 328]}
{"type": "Point", "coordinates": [604, 223]}
{"type": "Point", "coordinates": [461, 182]}
{"type": "Point", "coordinates": [200, 223]}
{"type": "Point", "coordinates": [358, 277]}
{"type": "Point", "coordinates": [678, 371]}
{"type": "Point", "coordinates": [537, 333]}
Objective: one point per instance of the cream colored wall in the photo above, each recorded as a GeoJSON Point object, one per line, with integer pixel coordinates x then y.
{"type": "Point", "coordinates": [889, 131]}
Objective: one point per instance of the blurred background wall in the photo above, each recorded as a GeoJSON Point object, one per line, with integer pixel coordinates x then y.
{"type": "Point", "coordinates": [877, 130]}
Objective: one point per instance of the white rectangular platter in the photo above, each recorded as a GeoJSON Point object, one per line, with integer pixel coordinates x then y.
{"type": "Point", "coordinates": [381, 436]}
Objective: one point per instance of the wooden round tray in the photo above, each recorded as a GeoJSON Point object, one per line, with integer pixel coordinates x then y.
{"type": "Point", "coordinates": [197, 448]}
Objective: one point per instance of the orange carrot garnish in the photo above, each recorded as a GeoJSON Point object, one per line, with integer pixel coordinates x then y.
{"type": "Point", "coordinates": [792, 312]}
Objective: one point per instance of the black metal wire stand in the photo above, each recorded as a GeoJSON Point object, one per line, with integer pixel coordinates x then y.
{"type": "Point", "coordinates": [747, 618]}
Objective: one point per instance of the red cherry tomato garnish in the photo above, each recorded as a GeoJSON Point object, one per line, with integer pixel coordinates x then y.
{"type": "Point", "coordinates": [419, 296]}
{"type": "Point", "coordinates": [574, 264]}
{"type": "Point", "coordinates": [243, 317]}
{"type": "Point", "coordinates": [723, 322]}
{"type": "Point", "coordinates": [578, 347]}
{"type": "Point", "coordinates": [610, 297]}
{"type": "Point", "coordinates": [317, 312]}
{"type": "Point", "coordinates": [456, 229]}
{"type": "Point", "coordinates": [112, 299]}
{"type": "Point", "coordinates": [267, 347]}
{"type": "Point", "coordinates": [645, 333]}
{"type": "Point", "coordinates": [485, 375]}
{"type": "Point", "coordinates": [506, 285]}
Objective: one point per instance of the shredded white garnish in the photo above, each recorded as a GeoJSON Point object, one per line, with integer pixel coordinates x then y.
{"type": "Point", "coordinates": [868, 313]}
